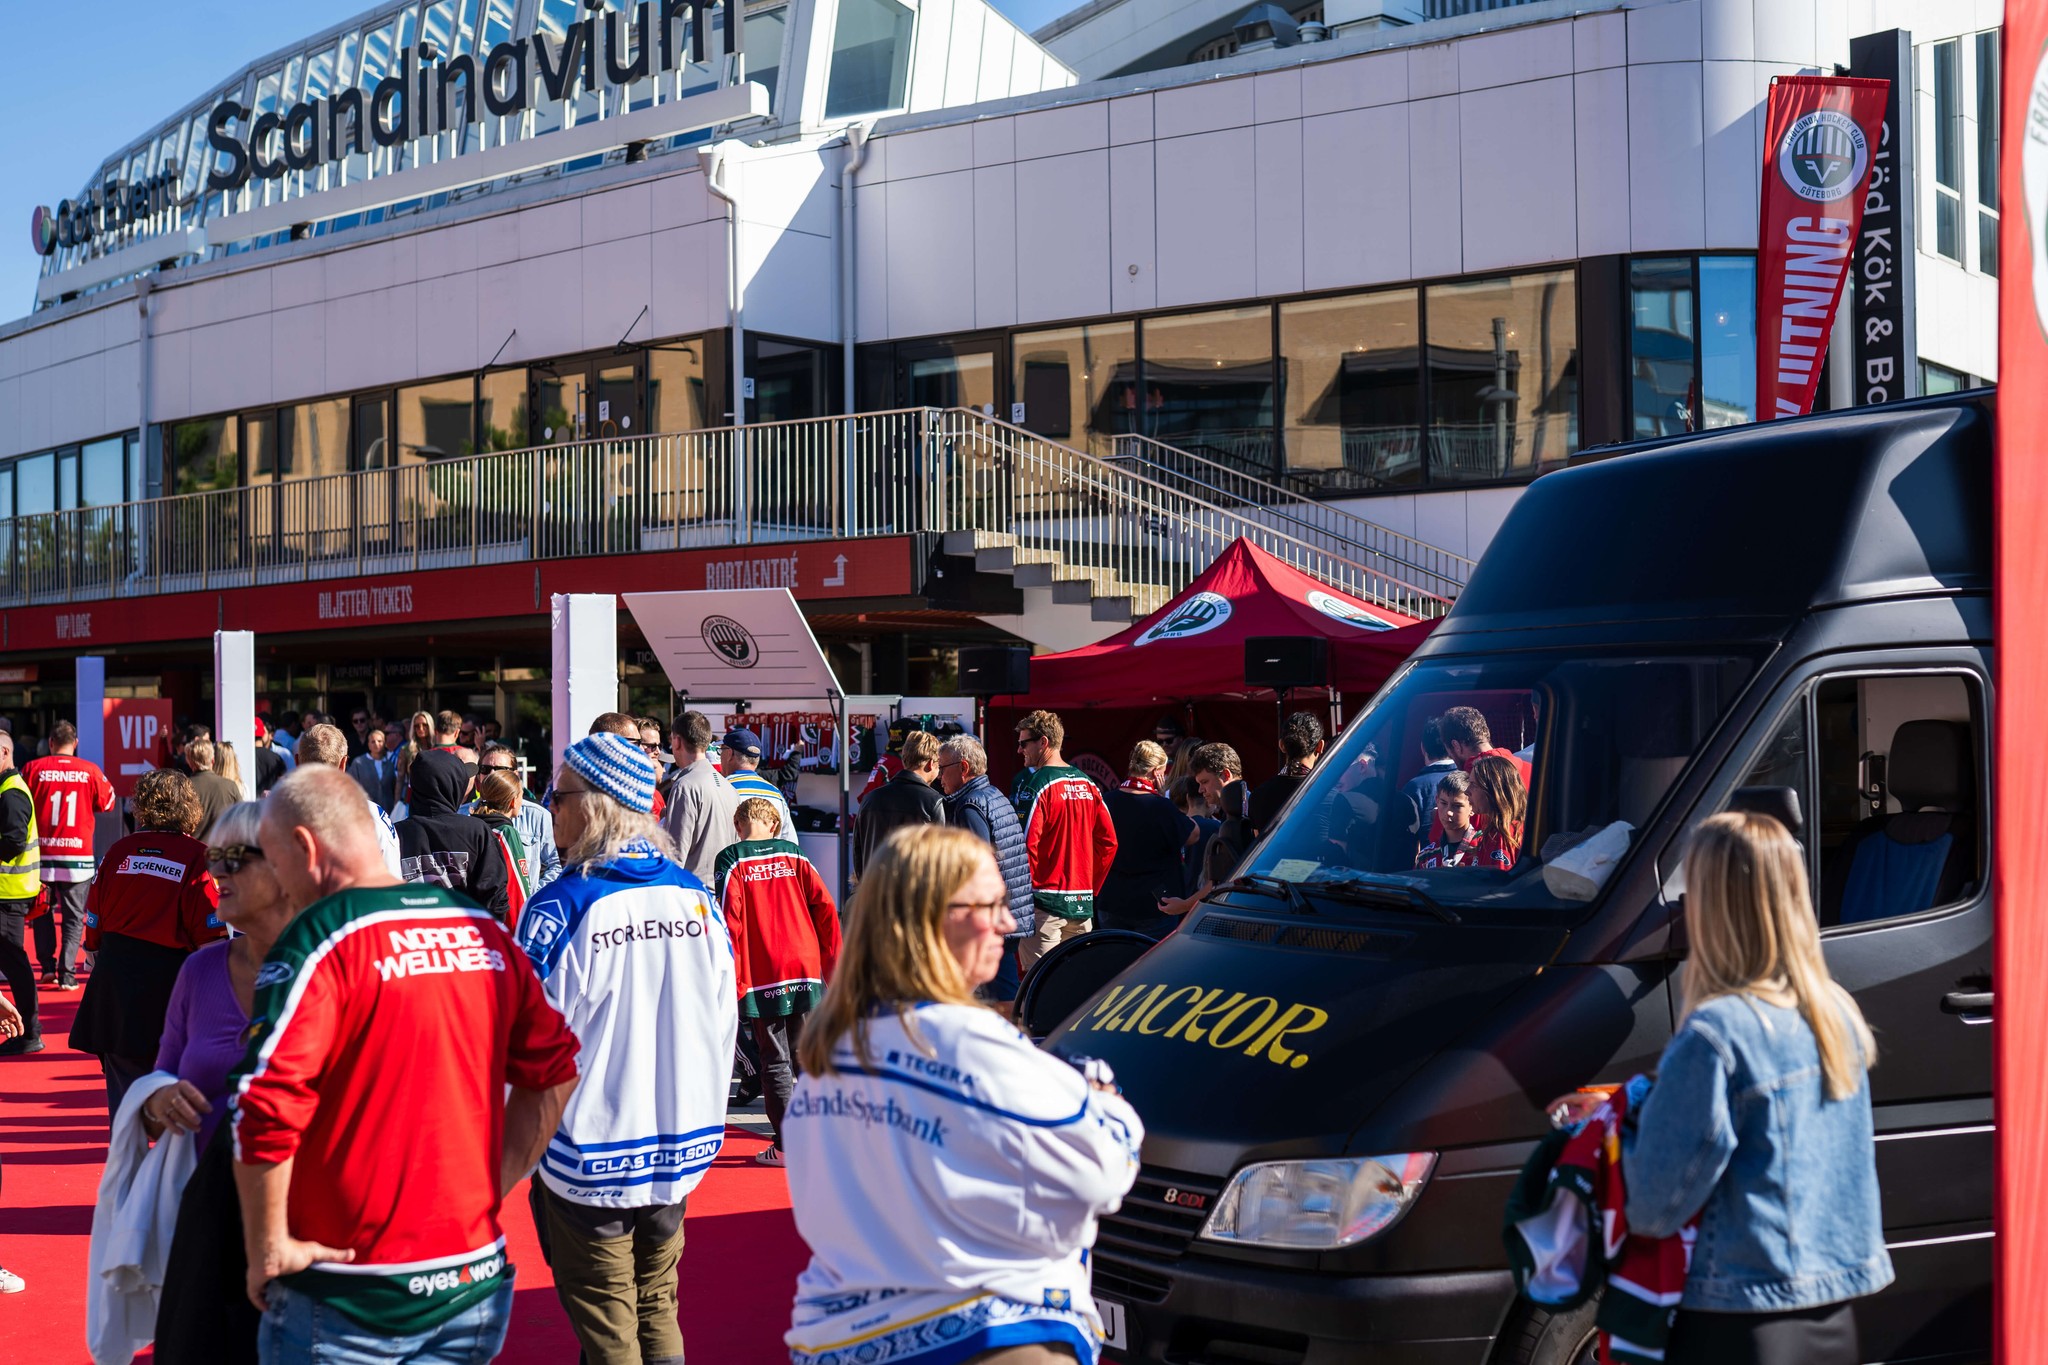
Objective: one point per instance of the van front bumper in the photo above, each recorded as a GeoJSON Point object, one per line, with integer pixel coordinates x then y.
{"type": "Point", "coordinates": [1229, 1313]}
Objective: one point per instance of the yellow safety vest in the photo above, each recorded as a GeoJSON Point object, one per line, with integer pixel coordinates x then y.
{"type": "Point", "coordinates": [22, 879]}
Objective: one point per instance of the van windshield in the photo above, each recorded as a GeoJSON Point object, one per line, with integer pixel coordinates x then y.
{"type": "Point", "coordinates": [1474, 781]}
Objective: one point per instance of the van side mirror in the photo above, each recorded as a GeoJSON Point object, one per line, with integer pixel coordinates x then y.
{"type": "Point", "coordinates": [1780, 803]}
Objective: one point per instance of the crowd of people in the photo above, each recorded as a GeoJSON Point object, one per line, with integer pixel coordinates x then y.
{"type": "Point", "coordinates": [293, 1175]}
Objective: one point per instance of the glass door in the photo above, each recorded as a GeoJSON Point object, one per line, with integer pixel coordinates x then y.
{"type": "Point", "coordinates": [966, 374]}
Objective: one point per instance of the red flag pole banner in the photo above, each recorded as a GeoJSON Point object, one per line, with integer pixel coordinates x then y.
{"type": "Point", "coordinates": [2019, 1029]}
{"type": "Point", "coordinates": [1817, 143]}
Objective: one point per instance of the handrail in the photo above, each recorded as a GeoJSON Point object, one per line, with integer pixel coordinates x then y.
{"type": "Point", "coordinates": [1310, 518]}
{"type": "Point", "coordinates": [897, 472]}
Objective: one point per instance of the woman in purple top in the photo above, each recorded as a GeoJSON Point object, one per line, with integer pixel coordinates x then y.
{"type": "Point", "coordinates": [216, 987]}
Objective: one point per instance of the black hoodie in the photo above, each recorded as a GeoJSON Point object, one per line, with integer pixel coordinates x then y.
{"type": "Point", "coordinates": [441, 847]}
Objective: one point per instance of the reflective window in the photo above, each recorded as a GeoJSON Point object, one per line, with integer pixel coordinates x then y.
{"type": "Point", "coordinates": [763, 35]}
{"type": "Point", "coordinates": [318, 443]}
{"type": "Point", "coordinates": [370, 446]}
{"type": "Point", "coordinates": [433, 420]}
{"type": "Point", "coordinates": [1353, 386]}
{"type": "Point", "coordinates": [1947, 132]}
{"type": "Point", "coordinates": [1209, 385]}
{"type": "Point", "coordinates": [1941, 379]}
{"type": "Point", "coordinates": [870, 58]}
{"type": "Point", "coordinates": [1987, 151]}
{"type": "Point", "coordinates": [263, 437]}
{"type": "Point", "coordinates": [503, 401]}
{"type": "Point", "coordinates": [1663, 377]}
{"type": "Point", "coordinates": [789, 380]}
{"type": "Point", "coordinates": [205, 455]}
{"type": "Point", "coordinates": [675, 387]}
{"type": "Point", "coordinates": [67, 479]}
{"type": "Point", "coordinates": [102, 473]}
{"type": "Point", "coordinates": [1078, 385]}
{"type": "Point", "coordinates": [1727, 340]}
{"type": "Point", "coordinates": [1503, 376]}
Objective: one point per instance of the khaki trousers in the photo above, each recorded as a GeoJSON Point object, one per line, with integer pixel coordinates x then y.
{"type": "Point", "coordinates": [615, 1273]}
{"type": "Point", "coordinates": [1051, 932]}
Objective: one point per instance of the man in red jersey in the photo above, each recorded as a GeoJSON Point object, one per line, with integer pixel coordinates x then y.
{"type": "Point", "coordinates": [389, 1020]}
{"type": "Point", "coordinates": [71, 793]}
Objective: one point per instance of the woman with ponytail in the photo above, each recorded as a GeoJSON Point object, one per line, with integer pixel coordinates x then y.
{"type": "Point", "coordinates": [1759, 1121]}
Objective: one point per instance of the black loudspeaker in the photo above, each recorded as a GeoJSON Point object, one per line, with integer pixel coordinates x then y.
{"type": "Point", "coordinates": [995, 670]}
{"type": "Point", "coordinates": [1284, 661]}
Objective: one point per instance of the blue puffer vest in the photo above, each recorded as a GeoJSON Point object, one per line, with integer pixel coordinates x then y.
{"type": "Point", "coordinates": [980, 808]}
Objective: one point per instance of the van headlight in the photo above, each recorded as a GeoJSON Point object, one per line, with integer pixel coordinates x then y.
{"type": "Point", "coordinates": [1317, 1205]}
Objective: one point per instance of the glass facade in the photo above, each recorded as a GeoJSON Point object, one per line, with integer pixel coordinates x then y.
{"type": "Point", "coordinates": [501, 410]}
{"type": "Point", "coordinates": [434, 421]}
{"type": "Point", "coordinates": [1692, 343]}
{"type": "Point", "coordinates": [1503, 376]}
{"type": "Point", "coordinates": [1948, 149]}
{"type": "Point", "coordinates": [1078, 384]}
{"type": "Point", "coordinates": [1353, 386]}
{"type": "Point", "coordinates": [1208, 385]}
{"type": "Point", "coordinates": [204, 455]}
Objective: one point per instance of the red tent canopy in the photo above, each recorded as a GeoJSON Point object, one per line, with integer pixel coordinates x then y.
{"type": "Point", "coordinates": [1194, 645]}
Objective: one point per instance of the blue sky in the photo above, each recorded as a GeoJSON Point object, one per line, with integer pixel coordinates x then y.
{"type": "Point", "coordinates": [141, 62]}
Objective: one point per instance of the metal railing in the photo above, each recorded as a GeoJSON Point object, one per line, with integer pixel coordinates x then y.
{"type": "Point", "coordinates": [883, 473]}
{"type": "Point", "coordinates": [1292, 510]}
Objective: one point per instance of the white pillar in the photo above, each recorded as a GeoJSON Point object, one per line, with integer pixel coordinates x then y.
{"type": "Point", "coordinates": [586, 672]}
{"type": "Point", "coordinates": [234, 695]}
{"type": "Point", "coordinates": [92, 708]}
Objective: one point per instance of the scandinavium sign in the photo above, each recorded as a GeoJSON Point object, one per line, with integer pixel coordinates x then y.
{"type": "Point", "coordinates": [426, 92]}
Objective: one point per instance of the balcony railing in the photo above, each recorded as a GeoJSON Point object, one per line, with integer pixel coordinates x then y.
{"type": "Point", "coordinates": [884, 473]}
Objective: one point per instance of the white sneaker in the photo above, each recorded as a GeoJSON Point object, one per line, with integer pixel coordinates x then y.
{"type": "Point", "coordinates": [767, 1156]}
{"type": "Point", "coordinates": [11, 1283]}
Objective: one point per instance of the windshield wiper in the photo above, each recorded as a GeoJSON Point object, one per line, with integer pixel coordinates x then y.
{"type": "Point", "coordinates": [1393, 895]}
{"type": "Point", "coordinates": [1277, 887]}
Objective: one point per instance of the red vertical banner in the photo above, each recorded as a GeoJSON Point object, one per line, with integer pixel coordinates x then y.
{"type": "Point", "coordinates": [2019, 843]}
{"type": "Point", "coordinates": [1819, 132]}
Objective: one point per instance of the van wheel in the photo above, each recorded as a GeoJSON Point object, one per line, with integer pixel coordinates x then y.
{"type": "Point", "coordinates": [1537, 1337]}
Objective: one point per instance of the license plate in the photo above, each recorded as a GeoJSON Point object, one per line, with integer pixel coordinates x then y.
{"type": "Point", "coordinates": [1112, 1314]}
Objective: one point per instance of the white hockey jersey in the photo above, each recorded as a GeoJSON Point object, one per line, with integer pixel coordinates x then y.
{"type": "Point", "coordinates": [949, 1189]}
{"type": "Point", "coordinates": [637, 958]}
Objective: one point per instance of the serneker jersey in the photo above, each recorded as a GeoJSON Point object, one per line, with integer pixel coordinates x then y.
{"type": "Point", "coordinates": [388, 1022]}
{"type": "Point", "coordinates": [637, 956]}
{"type": "Point", "coordinates": [70, 793]}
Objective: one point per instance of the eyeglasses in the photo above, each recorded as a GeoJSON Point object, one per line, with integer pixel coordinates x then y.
{"type": "Point", "coordinates": [649, 748]}
{"type": "Point", "coordinates": [560, 794]}
{"type": "Point", "coordinates": [234, 857]}
{"type": "Point", "coordinates": [956, 763]}
{"type": "Point", "coordinates": [983, 913]}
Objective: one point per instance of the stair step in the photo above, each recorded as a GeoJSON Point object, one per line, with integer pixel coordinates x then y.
{"type": "Point", "coordinates": [1112, 609]}
{"type": "Point", "coordinates": [968, 542]}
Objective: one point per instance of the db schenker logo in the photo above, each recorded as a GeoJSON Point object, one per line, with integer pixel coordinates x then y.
{"type": "Point", "coordinates": [1823, 156]}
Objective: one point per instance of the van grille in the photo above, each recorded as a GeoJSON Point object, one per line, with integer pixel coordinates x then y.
{"type": "Point", "coordinates": [1161, 1214]}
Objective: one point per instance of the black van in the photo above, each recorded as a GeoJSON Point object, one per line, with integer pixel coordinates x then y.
{"type": "Point", "coordinates": [1342, 1062]}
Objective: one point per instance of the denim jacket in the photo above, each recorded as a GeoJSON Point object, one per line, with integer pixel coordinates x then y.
{"type": "Point", "coordinates": [1739, 1130]}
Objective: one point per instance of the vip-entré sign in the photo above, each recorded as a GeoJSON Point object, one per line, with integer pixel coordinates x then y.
{"type": "Point", "coordinates": [425, 92]}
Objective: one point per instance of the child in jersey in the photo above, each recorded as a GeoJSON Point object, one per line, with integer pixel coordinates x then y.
{"type": "Point", "coordinates": [1459, 846]}
{"type": "Point", "coordinates": [785, 942]}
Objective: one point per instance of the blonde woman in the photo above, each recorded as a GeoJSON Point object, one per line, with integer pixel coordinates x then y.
{"type": "Point", "coordinates": [229, 766]}
{"type": "Point", "coordinates": [1759, 1121]}
{"type": "Point", "coordinates": [419, 739]}
{"type": "Point", "coordinates": [946, 1174]}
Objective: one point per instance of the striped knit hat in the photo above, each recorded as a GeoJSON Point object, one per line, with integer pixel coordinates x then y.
{"type": "Point", "coordinates": [620, 770]}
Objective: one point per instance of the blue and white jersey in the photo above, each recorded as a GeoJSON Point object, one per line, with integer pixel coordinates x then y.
{"type": "Point", "coordinates": [387, 839]}
{"type": "Point", "coordinates": [747, 782]}
{"type": "Point", "coordinates": [636, 956]}
{"type": "Point", "coordinates": [949, 1188]}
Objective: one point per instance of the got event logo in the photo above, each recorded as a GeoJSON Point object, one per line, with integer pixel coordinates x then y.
{"type": "Point", "coordinates": [1823, 156]}
{"type": "Point", "coordinates": [1198, 615]}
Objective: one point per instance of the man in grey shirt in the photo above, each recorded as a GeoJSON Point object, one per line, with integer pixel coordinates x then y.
{"type": "Point", "coordinates": [701, 803]}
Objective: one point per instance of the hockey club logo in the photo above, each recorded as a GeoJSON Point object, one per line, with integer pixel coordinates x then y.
{"type": "Point", "coordinates": [1823, 156]}
{"type": "Point", "coordinates": [1337, 609]}
{"type": "Point", "coordinates": [730, 641]}
{"type": "Point", "coordinates": [1198, 615]}
{"type": "Point", "coordinates": [274, 974]}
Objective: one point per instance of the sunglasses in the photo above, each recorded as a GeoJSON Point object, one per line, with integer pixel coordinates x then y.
{"type": "Point", "coordinates": [558, 796]}
{"type": "Point", "coordinates": [497, 767]}
{"type": "Point", "coordinates": [234, 857]}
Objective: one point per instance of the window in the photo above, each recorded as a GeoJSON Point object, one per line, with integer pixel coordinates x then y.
{"type": "Point", "coordinates": [1988, 88]}
{"type": "Point", "coordinates": [1885, 767]}
{"type": "Point", "coordinates": [371, 444]}
{"type": "Point", "coordinates": [870, 58]}
{"type": "Point", "coordinates": [67, 479]}
{"type": "Point", "coordinates": [318, 443]}
{"type": "Point", "coordinates": [1209, 385]}
{"type": "Point", "coordinates": [1079, 385]}
{"type": "Point", "coordinates": [1948, 149]}
{"type": "Point", "coordinates": [102, 476]}
{"type": "Point", "coordinates": [763, 34]}
{"type": "Point", "coordinates": [1941, 379]}
{"type": "Point", "coordinates": [265, 439]}
{"type": "Point", "coordinates": [1354, 389]}
{"type": "Point", "coordinates": [433, 420]}
{"type": "Point", "coordinates": [1663, 362]}
{"type": "Point", "coordinates": [1503, 376]}
{"type": "Point", "coordinates": [205, 455]}
{"type": "Point", "coordinates": [501, 408]}
{"type": "Point", "coordinates": [1727, 341]}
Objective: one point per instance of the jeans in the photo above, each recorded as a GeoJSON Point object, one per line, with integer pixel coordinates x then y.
{"type": "Point", "coordinates": [615, 1273]}
{"type": "Point", "coordinates": [67, 899]}
{"type": "Point", "coordinates": [299, 1329]}
{"type": "Point", "coordinates": [15, 966]}
{"type": "Point", "coordinates": [1002, 989]}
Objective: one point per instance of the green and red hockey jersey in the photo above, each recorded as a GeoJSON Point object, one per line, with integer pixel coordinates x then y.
{"type": "Point", "coordinates": [388, 1021]}
{"type": "Point", "coordinates": [1068, 838]}
{"type": "Point", "coordinates": [785, 929]}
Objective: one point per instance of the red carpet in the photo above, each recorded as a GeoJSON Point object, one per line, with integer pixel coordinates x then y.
{"type": "Point", "coordinates": [738, 1272]}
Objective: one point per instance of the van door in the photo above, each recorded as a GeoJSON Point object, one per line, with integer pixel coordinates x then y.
{"type": "Point", "coordinates": [1890, 762]}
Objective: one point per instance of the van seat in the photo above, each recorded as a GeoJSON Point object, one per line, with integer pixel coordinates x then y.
{"type": "Point", "coordinates": [1922, 856]}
